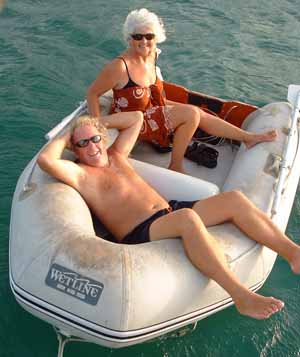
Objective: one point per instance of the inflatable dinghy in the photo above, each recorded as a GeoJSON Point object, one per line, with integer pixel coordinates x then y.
{"type": "Point", "coordinates": [64, 269]}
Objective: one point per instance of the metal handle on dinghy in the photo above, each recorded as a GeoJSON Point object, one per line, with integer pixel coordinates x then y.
{"type": "Point", "coordinates": [294, 98]}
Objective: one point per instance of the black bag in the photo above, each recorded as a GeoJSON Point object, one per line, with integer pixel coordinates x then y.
{"type": "Point", "coordinates": [202, 155]}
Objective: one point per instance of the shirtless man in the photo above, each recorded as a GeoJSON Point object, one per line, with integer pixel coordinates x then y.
{"type": "Point", "coordinates": [106, 180]}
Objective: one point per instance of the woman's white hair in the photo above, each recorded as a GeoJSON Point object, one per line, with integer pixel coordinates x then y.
{"type": "Point", "coordinates": [137, 19]}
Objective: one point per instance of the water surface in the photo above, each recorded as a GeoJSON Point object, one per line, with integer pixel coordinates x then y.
{"type": "Point", "coordinates": [51, 51]}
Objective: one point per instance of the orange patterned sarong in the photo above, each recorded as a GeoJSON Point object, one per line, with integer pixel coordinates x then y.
{"type": "Point", "coordinates": [151, 101]}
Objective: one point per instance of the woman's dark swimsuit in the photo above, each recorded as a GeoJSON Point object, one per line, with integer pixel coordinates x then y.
{"type": "Point", "coordinates": [140, 234]}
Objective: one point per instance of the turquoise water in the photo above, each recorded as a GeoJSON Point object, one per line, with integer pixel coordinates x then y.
{"type": "Point", "coordinates": [51, 51]}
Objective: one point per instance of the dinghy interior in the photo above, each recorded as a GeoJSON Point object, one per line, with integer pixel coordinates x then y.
{"type": "Point", "coordinates": [64, 269]}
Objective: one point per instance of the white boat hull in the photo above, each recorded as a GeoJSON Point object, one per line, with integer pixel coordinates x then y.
{"type": "Point", "coordinates": [118, 295]}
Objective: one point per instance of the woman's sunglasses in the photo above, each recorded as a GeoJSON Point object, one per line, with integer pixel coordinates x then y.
{"type": "Point", "coordinates": [84, 142]}
{"type": "Point", "coordinates": [139, 36]}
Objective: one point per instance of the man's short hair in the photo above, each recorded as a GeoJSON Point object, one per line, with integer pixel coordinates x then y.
{"type": "Point", "coordinates": [87, 120]}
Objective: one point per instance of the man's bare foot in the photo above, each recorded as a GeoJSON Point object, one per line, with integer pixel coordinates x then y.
{"type": "Point", "coordinates": [258, 306]}
{"type": "Point", "coordinates": [254, 139]}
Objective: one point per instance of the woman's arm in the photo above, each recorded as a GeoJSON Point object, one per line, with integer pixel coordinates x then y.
{"type": "Point", "coordinates": [107, 79]}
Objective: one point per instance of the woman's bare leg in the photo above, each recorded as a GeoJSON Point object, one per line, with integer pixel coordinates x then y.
{"type": "Point", "coordinates": [204, 253]}
{"type": "Point", "coordinates": [237, 208]}
{"type": "Point", "coordinates": [185, 119]}
{"type": "Point", "coordinates": [218, 127]}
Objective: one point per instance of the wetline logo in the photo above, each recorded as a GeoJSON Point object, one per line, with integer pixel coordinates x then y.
{"type": "Point", "coordinates": [74, 284]}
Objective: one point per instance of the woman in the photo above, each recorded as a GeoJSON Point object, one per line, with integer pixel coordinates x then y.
{"type": "Point", "coordinates": [136, 86]}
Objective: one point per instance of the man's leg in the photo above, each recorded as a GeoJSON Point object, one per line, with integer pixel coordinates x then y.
{"type": "Point", "coordinates": [204, 253]}
{"type": "Point", "coordinates": [237, 208]}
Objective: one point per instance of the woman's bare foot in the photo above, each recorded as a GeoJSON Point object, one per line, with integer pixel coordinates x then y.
{"type": "Point", "coordinates": [254, 139]}
{"type": "Point", "coordinates": [258, 306]}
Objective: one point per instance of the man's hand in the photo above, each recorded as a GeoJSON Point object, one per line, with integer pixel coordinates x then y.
{"type": "Point", "coordinates": [66, 136]}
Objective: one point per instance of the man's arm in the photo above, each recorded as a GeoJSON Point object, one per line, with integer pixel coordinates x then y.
{"type": "Point", "coordinates": [129, 124]}
{"type": "Point", "coordinates": [64, 170]}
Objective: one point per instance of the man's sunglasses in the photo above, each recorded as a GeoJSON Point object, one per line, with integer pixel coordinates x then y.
{"type": "Point", "coordinates": [139, 36]}
{"type": "Point", "coordinates": [85, 142]}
